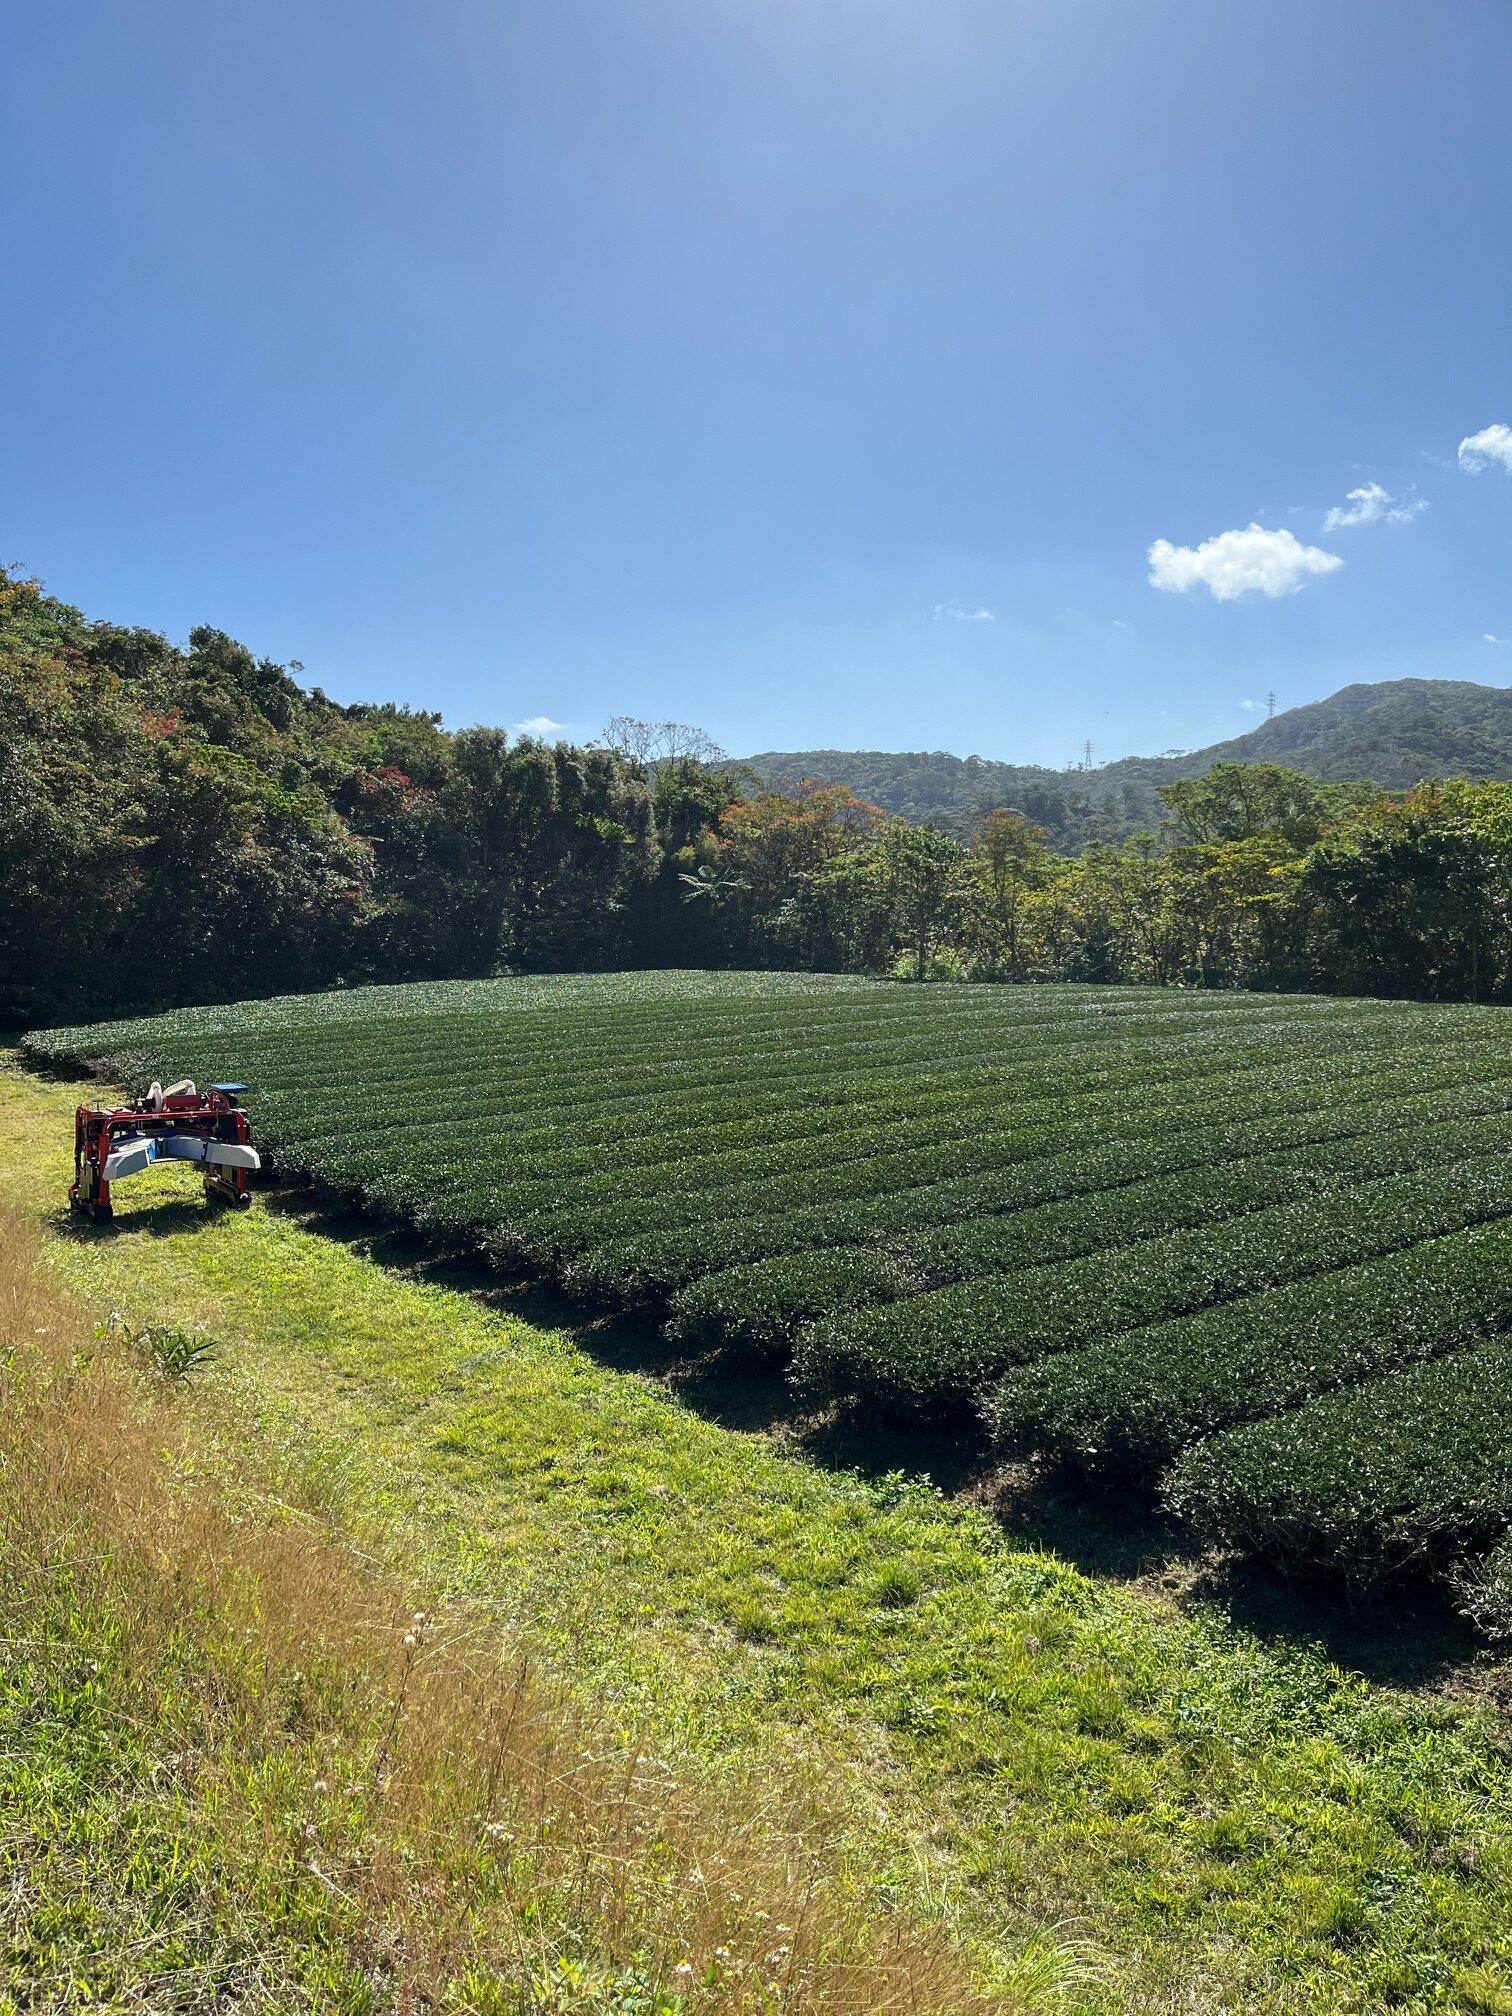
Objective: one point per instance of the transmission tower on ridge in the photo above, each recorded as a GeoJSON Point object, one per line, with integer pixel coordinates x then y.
{"type": "Point", "coordinates": [1270, 706]}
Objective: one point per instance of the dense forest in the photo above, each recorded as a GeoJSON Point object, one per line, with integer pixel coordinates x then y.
{"type": "Point", "coordinates": [191, 824]}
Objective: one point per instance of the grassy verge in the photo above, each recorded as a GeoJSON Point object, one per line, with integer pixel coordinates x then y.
{"type": "Point", "coordinates": [238, 1770]}
{"type": "Point", "coordinates": [1210, 1822]}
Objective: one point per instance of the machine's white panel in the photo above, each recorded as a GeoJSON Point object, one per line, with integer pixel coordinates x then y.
{"type": "Point", "coordinates": [232, 1155]}
{"type": "Point", "coordinates": [134, 1154]}
{"type": "Point", "coordinates": [224, 1154]}
{"type": "Point", "coordinates": [181, 1148]}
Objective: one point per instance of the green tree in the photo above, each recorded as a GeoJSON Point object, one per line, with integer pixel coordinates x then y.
{"type": "Point", "coordinates": [1405, 896]}
{"type": "Point", "coordinates": [1240, 801]}
{"type": "Point", "coordinates": [923, 866]}
{"type": "Point", "coordinates": [1009, 864]}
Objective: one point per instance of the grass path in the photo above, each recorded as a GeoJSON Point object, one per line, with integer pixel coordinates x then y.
{"type": "Point", "coordinates": [1130, 1808]}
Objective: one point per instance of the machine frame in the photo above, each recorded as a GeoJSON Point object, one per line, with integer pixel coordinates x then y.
{"type": "Point", "coordinates": [179, 1125]}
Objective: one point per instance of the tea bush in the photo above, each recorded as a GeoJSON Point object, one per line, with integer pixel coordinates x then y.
{"type": "Point", "coordinates": [1416, 1464]}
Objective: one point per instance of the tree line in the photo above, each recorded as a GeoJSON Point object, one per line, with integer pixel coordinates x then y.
{"type": "Point", "coordinates": [1259, 877]}
{"type": "Point", "coordinates": [192, 824]}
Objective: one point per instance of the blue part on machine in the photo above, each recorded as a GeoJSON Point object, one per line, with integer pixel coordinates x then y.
{"type": "Point", "coordinates": [228, 1088]}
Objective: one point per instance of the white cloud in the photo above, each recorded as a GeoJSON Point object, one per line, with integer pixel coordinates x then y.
{"type": "Point", "coordinates": [953, 612]}
{"type": "Point", "coordinates": [1373, 505]}
{"type": "Point", "coordinates": [1492, 444]}
{"type": "Point", "coordinates": [1237, 563]}
{"type": "Point", "coordinates": [1252, 706]}
{"type": "Point", "coordinates": [540, 728]}
{"type": "Point", "coordinates": [1495, 640]}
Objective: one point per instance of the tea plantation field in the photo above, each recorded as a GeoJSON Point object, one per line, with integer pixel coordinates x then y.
{"type": "Point", "coordinates": [1254, 1249]}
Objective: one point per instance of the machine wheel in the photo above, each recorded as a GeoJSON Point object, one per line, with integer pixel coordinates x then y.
{"type": "Point", "coordinates": [243, 1200]}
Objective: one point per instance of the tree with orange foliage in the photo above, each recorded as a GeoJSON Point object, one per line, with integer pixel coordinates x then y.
{"type": "Point", "coordinates": [777, 836]}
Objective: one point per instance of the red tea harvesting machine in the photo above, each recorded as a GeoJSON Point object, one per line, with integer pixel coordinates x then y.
{"type": "Point", "coordinates": [179, 1125]}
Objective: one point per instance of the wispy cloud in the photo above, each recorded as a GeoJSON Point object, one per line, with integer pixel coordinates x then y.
{"type": "Point", "coordinates": [1495, 640]}
{"type": "Point", "coordinates": [1252, 706]}
{"type": "Point", "coordinates": [1371, 504]}
{"type": "Point", "coordinates": [1492, 444]}
{"type": "Point", "coordinates": [1250, 561]}
{"type": "Point", "coordinates": [540, 728]}
{"type": "Point", "coordinates": [952, 612]}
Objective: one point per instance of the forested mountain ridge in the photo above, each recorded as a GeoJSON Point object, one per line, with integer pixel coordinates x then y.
{"type": "Point", "coordinates": [956, 792]}
{"type": "Point", "coordinates": [1392, 733]}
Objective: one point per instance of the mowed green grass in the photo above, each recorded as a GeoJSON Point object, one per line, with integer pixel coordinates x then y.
{"type": "Point", "coordinates": [1130, 1228]}
{"type": "Point", "coordinates": [1125, 1807]}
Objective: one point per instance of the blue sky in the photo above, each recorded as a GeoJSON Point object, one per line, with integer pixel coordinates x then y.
{"type": "Point", "coordinates": [728, 360]}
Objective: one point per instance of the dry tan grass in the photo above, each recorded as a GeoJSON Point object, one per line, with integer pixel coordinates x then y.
{"type": "Point", "coordinates": [356, 1791]}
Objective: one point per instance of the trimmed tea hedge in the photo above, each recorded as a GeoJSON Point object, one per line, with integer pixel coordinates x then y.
{"type": "Point", "coordinates": [1414, 1465]}
{"type": "Point", "coordinates": [1134, 1400]}
{"type": "Point", "coordinates": [949, 1343]}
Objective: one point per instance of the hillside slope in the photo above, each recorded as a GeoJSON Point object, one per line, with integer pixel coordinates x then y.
{"type": "Point", "coordinates": [1393, 733]}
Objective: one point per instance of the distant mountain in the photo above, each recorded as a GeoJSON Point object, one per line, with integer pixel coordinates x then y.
{"type": "Point", "coordinates": [1393, 734]}
{"type": "Point", "coordinates": [1074, 806]}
